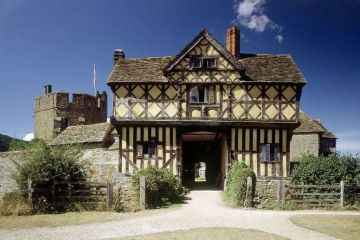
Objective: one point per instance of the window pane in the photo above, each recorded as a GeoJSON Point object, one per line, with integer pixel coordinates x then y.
{"type": "Point", "coordinates": [194, 94]}
{"type": "Point", "coordinates": [145, 148]}
{"type": "Point", "coordinates": [202, 94]}
{"type": "Point", "coordinates": [152, 148]}
{"type": "Point", "coordinates": [209, 63]}
{"type": "Point", "coordinates": [268, 152]}
{"type": "Point", "coordinates": [275, 151]}
{"type": "Point", "coordinates": [139, 150]}
{"type": "Point", "coordinates": [196, 62]}
{"type": "Point", "coordinates": [263, 152]}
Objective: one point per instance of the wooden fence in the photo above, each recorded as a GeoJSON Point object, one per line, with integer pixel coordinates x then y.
{"type": "Point", "coordinates": [317, 195]}
{"type": "Point", "coordinates": [69, 192]}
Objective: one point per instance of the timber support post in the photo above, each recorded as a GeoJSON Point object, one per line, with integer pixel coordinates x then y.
{"type": "Point", "coordinates": [249, 193]}
{"type": "Point", "coordinates": [142, 193]}
{"type": "Point", "coordinates": [109, 193]}
{"type": "Point", "coordinates": [342, 191]}
{"type": "Point", "coordinates": [280, 192]}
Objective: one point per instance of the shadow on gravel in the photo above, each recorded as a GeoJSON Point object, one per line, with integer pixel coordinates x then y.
{"type": "Point", "coordinates": [203, 186]}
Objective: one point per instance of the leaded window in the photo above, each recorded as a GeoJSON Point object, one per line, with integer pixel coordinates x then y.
{"type": "Point", "coordinates": [269, 152]}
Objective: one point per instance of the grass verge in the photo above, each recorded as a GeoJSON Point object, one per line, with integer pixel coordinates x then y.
{"type": "Point", "coordinates": [208, 234]}
{"type": "Point", "coordinates": [344, 227]}
{"type": "Point", "coordinates": [72, 218]}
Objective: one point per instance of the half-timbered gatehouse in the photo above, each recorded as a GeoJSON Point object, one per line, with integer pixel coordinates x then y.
{"type": "Point", "coordinates": [209, 103]}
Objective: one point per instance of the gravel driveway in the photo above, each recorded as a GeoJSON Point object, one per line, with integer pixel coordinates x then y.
{"type": "Point", "coordinates": [204, 209]}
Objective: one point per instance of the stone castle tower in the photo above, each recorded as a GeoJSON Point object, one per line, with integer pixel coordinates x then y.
{"type": "Point", "coordinates": [53, 112]}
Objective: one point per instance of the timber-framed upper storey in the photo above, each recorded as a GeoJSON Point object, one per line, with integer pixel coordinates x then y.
{"type": "Point", "coordinates": [226, 88]}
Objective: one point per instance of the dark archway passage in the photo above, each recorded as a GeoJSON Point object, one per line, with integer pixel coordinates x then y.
{"type": "Point", "coordinates": [203, 147]}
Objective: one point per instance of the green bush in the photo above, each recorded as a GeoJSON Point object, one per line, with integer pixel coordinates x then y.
{"type": "Point", "coordinates": [162, 187]}
{"type": "Point", "coordinates": [237, 183]}
{"type": "Point", "coordinates": [42, 161]}
{"type": "Point", "coordinates": [327, 169]}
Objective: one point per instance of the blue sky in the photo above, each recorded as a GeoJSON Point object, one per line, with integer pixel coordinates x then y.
{"type": "Point", "coordinates": [57, 42]}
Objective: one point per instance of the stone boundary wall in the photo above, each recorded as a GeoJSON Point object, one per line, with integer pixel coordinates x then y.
{"type": "Point", "coordinates": [7, 168]}
{"type": "Point", "coordinates": [266, 192]}
{"type": "Point", "coordinates": [103, 164]}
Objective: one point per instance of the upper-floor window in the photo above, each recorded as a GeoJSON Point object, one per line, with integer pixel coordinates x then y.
{"type": "Point", "coordinates": [329, 143]}
{"type": "Point", "coordinates": [199, 94]}
{"type": "Point", "coordinates": [203, 62]}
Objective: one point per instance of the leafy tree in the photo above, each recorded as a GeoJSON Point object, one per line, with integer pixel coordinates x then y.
{"type": "Point", "coordinates": [327, 169]}
{"type": "Point", "coordinates": [42, 161]}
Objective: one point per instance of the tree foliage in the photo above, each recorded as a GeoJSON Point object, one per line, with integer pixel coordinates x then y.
{"type": "Point", "coordinates": [12, 144]}
{"type": "Point", "coordinates": [42, 161]}
{"type": "Point", "coordinates": [327, 169]}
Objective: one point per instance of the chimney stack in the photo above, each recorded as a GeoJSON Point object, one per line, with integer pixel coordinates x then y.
{"type": "Point", "coordinates": [233, 41]}
{"type": "Point", "coordinates": [118, 54]}
{"type": "Point", "coordinates": [47, 89]}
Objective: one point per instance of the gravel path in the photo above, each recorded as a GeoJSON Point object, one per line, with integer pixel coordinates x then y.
{"type": "Point", "coordinates": [204, 209]}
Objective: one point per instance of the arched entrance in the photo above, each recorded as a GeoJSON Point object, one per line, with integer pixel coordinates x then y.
{"type": "Point", "coordinates": [209, 148]}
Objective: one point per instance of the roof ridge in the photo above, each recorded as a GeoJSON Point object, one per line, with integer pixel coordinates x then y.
{"type": "Point", "coordinates": [140, 58]}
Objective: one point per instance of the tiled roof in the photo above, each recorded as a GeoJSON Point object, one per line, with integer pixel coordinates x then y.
{"type": "Point", "coordinates": [93, 133]}
{"type": "Point", "coordinates": [272, 68]}
{"type": "Point", "coordinates": [267, 68]}
{"type": "Point", "coordinates": [139, 70]}
{"type": "Point", "coordinates": [260, 68]}
{"type": "Point", "coordinates": [309, 125]}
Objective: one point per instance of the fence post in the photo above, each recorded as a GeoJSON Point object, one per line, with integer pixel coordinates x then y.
{"type": "Point", "coordinates": [342, 190]}
{"type": "Point", "coordinates": [30, 194]}
{"type": "Point", "coordinates": [53, 190]}
{"type": "Point", "coordinates": [142, 193]}
{"type": "Point", "coordinates": [280, 196]}
{"type": "Point", "coordinates": [249, 196]}
{"type": "Point", "coordinates": [109, 193]}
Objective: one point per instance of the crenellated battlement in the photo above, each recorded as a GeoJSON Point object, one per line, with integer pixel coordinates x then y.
{"type": "Point", "coordinates": [54, 111]}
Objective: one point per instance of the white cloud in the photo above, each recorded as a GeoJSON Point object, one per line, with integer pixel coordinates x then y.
{"type": "Point", "coordinates": [279, 38]}
{"type": "Point", "coordinates": [251, 14]}
{"type": "Point", "coordinates": [108, 120]}
{"type": "Point", "coordinates": [28, 137]}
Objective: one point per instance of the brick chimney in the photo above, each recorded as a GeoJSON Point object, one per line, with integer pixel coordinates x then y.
{"type": "Point", "coordinates": [233, 41]}
{"type": "Point", "coordinates": [118, 54]}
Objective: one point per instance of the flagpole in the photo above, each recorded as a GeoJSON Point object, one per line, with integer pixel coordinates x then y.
{"type": "Point", "coordinates": [94, 78]}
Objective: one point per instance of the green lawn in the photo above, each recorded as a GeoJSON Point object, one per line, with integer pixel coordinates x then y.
{"type": "Point", "coordinates": [70, 218]}
{"type": "Point", "coordinates": [208, 234]}
{"type": "Point", "coordinates": [344, 227]}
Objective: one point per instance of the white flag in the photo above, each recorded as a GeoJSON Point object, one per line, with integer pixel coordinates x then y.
{"type": "Point", "coordinates": [94, 78]}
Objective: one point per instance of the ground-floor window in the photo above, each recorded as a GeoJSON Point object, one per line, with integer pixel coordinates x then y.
{"type": "Point", "coordinates": [269, 152]}
{"type": "Point", "coordinates": [146, 149]}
